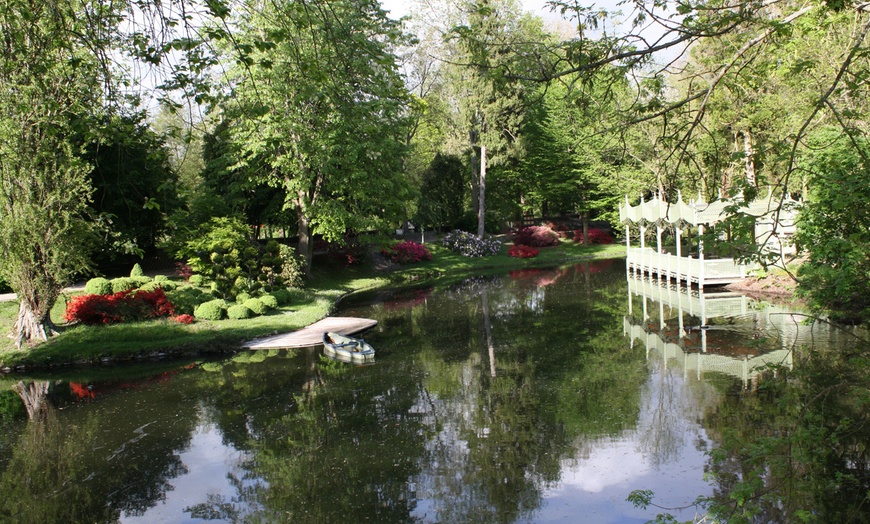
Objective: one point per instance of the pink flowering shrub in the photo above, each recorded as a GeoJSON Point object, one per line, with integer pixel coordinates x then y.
{"type": "Point", "coordinates": [522, 252]}
{"type": "Point", "coordinates": [407, 253]}
{"type": "Point", "coordinates": [184, 319]}
{"type": "Point", "coordinates": [536, 236]}
{"type": "Point", "coordinates": [596, 236]}
{"type": "Point", "coordinates": [123, 306]}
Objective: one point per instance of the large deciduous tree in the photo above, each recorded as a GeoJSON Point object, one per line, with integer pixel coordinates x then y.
{"type": "Point", "coordinates": [49, 84]}
{"type": "Point", "coordinates": [491, 98]}
{"type": "Point", "coordinates": [324, 109]}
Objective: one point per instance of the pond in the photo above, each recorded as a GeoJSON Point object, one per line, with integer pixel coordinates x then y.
{"type": "Point", "coordinates": [535, 396]}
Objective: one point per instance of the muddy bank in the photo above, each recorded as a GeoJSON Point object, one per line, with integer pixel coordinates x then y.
{"type": "Point", "coordinates": [767, 287]}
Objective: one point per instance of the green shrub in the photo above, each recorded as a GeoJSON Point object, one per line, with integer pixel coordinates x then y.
{"type": "Point", "coordinates": [165, 285]}
{"type": "Point", "coordinates": [161, 278]}
{"type": "Point", "coordinates": [185, 299]}
{"type": "Point", "coordinates": [242, 297]}
{"type": "Point", "coordinates": [270, 301]}
{"type": "Point", "coordinates": [257, 306]}
{"type": "Point", "coordinates": [137, 271]}
{"type": "Point", "coordinates": [196, 280]}
{"type": "Point", "coordinates": [292, 272]}
{"type": "Point", "coordinates": [141, 280]}
{"type": "Point", "coordinates": [239, 312]}
{"type": "Point", "coordinates": [283, 296]}
{"type": "Point", "coordinates": [98, 286]}
{"type": "Point", "coordinates": [122, 284]}
{"type": "Point", "coordinates": [211, 310]}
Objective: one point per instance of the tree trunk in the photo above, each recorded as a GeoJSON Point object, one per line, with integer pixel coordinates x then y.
{"type": "Point", "coordinates": [585, 229]}
{"type": "Point", "coordinates": [305, 246]}
{"type": "Point", "coordinates": [33, 322]}
{"type": "Point", "coordinates": [33, 396]}
{"type": "Point", "coordinates": [475, 177]}
{"type": "Point", "coordinates": [750, 162]}
{"type": "Point", "coordinates": [481, 229]}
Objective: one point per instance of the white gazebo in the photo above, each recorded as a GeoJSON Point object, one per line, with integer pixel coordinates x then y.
{"type": "Point", "coordinates": [774, 225]}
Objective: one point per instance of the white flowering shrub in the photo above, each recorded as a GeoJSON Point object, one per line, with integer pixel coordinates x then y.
{"type": "Point", "coordinates": [469, 245]}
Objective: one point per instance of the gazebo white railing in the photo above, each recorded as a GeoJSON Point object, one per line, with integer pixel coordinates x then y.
{"type": "Point", "coordinates": [682, 217]}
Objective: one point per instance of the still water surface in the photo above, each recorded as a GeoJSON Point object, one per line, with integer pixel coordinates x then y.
{"type": "Point", "coordinates": [537, 396]}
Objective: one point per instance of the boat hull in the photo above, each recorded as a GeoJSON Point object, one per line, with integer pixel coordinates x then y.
{"type": "Point", "coordinates": [347, 349]}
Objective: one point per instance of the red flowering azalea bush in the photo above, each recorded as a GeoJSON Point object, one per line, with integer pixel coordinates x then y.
{"type": "Point", "coordinates": [522, 252]}
{"type": "Point", "coordinates": [124, 306]}
{"type": "Point", "coordinates": [596, 236]}
{"type": "Point", "coordinates": [407, 253]}
{"type": "Point", "coordinates": [184, 319]}
{"type": "Point", "coordinates": [536, 236]}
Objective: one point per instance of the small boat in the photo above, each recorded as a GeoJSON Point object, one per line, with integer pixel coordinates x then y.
{"type": "Point", "coordinates": [346, 348]}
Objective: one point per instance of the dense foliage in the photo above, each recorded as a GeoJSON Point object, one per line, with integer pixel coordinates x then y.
{"type": "Point", "coordinates": [408, 252]}
{"type": "Point", "coordinates": [125, 306]}
{"type": "Point", "coordinates": [835, 225]}
{"type": "Point", "coordinates": [595, 236]}
{"type": "Point", "coordinates": [522, 251]}
{"type": "Point", "coordinates": [536, 236]}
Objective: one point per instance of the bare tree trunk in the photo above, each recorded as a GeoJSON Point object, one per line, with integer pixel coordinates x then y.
{"type": "Point", "coordinates": [750, 162]}
{"type": "Point", "coordinates": [305, 246]}
{"type": "Point", "coordinates": [33, 322]}
{"type": "Point", "coordinates": [475, 176]}
{"type": "Point", "coordinates": [34, 396]}
{"type": "Point", "coordinates": [481, 210]}
{"type": "Point", "coordinates": [585, 229]}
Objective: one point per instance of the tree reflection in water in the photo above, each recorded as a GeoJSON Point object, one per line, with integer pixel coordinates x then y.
{"type": "Point", "coordinates": [496, 400]}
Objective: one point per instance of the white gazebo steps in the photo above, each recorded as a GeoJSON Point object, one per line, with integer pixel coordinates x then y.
{"type": "Point", "coordinates": [312, 335]}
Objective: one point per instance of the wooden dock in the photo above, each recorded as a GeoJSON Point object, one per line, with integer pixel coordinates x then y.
{"type": "Point", "coordinates": [313, 334]}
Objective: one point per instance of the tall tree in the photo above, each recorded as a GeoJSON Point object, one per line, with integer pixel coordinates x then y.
{"type": "Point", "coordinates": [134, 186]}
{"type": "Point", "coordinates": [491, 47]}
{"type": "Point", "coordinates": [324, 108]}
{"type": "Point", "coordinates": [49, 85]}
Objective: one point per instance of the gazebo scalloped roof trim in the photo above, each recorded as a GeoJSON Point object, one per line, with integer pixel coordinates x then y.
{"type": "Point", "coordinates": [697, 211]}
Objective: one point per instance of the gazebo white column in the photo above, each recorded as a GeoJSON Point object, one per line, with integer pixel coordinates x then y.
{"type": "Point", "coordinates": [679, 230]}
{"type": "Point", "coordinates": [701, 256]}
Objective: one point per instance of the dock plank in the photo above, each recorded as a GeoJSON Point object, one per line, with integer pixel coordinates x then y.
{"type": "Point", "coordinates": [313, 334]}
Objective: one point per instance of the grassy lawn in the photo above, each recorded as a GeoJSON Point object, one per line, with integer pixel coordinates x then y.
{"type": "Point", "coordinates": [122, 342]}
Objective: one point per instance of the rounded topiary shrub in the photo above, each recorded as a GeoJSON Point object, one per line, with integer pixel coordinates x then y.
{"type": "Point", "coordinates": [211, 310]}
{"type": "Point", "coordinates": [239, 312]}
{"type": "Point", "coordinates": [257, 306]}
{"type": "Point", "coordinates": [137, 271]}
{"type": "Point", "coordinates": [165, 285]}
{"type": "Point", "coordinates": [141, 280]}
{"type": "Point", "coordinates": [185, 299]}
{"type": "Point", "coordinates": [282, 295]}
{"type": "Point", "coordinates": [161, 278]}
{"type": "Point", "coordinates": [270, 301]}
{"type": "Point", "coordinates": [122, 284]}
{"type": "Point", "coordinates": [242, 297]}
{"type": "Point", "coordinates": [196, 280]}
{"type": "Point", "coordinates": [98, 286]}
